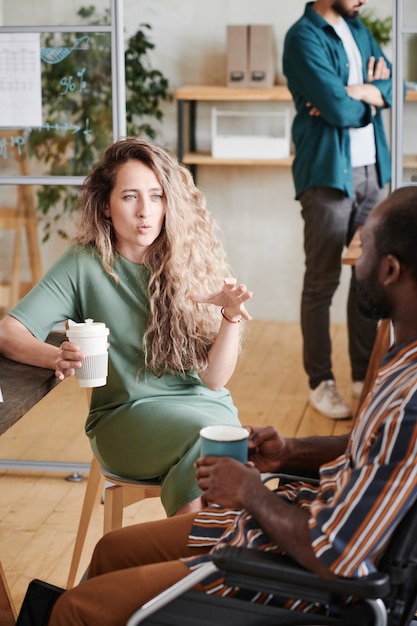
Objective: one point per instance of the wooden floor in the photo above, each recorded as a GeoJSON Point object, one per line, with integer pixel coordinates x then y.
{"type": "Point", "coordinates": [39, 512]}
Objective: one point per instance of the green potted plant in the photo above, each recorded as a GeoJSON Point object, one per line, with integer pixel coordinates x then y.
{"type": "Point", "coordinates": [77, 107]}
{"type": "Point", "coordinates": [379, 28]}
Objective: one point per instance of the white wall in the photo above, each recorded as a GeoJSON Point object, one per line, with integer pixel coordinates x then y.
{"type": "Point", "coordinates": [254, 207]}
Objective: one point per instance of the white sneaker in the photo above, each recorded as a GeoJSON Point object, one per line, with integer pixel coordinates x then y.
{"type": "Point", "coordinates": [327, 400]}
{"type": "Point", "coordinates": [357, 387]}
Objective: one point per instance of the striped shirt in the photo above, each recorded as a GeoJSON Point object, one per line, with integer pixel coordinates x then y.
{"type": "Point", "coordinates": [362, 495]}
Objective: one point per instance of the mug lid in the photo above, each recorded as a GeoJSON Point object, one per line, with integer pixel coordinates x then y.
{"type": "Point", "coordinates": [88, 327]}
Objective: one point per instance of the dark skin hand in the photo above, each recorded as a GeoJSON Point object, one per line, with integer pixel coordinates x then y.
{"type": "Point", "coordinates": [229, 483]}
{"type": "Point", "coordinates": [270, 452]}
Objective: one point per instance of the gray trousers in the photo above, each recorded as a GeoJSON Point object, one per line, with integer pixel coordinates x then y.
{"type": "Point", "coordinates": [330, 221]}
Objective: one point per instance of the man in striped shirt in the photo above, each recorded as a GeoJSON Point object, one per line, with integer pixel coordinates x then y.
{"type": "Point", "coordinates": [368, 480]}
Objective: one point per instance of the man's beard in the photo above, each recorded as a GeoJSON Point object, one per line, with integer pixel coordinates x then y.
{"type": "Point", "coordinates": [341, 10]}
{"type": "Point", "coordinates": [372, 299]}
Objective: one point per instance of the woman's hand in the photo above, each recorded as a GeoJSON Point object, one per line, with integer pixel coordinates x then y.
{"type": "Point", "coordinates": [231, 298]}
{"type": "Point", "coordinates": [223, 352]}
{"type": "Point", "coordinates": [69, 358]}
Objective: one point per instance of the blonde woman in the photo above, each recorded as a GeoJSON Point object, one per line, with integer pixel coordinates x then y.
{"type": "Point", "coordinates": [145, 261]}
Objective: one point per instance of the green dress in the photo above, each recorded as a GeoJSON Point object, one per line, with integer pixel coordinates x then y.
{"type": "Point", "coordinates": [139, 426]}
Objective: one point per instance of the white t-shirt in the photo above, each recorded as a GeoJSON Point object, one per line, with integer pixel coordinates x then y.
{"type": "Point", "coordinates": [362, 140]}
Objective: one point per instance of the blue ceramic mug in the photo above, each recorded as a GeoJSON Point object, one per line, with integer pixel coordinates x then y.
{"type": "Point", "coordinates": [225, 440]}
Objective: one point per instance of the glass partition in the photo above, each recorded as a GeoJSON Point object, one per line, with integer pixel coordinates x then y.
{"type": "Point", "coordinates": [76, 103]}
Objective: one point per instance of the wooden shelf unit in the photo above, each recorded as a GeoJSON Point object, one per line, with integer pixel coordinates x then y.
{"type": "Point", "coordinates": [217, 92]}
{"type": "Point", "coordinates": [410, 161]}
{"type": "Point", "coordinates": [205, 158]}
{"type": "Point", "coordinates": [188, 96]}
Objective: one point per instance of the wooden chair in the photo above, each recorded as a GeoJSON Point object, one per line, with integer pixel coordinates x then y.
{"type": "Point", "coordinates": [383, 341]}
{"type": "Point", "coordinates": [22, 220]}
{"type": "Point", "coordinates": [122, 492]}
{"type": "Point", "coordinates": [119, 493]}
{"type": "Point", "coordinates": [383, 336]}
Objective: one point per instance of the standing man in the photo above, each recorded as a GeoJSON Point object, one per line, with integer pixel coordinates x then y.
{"type": "Point", "coordinates": [340, 81]}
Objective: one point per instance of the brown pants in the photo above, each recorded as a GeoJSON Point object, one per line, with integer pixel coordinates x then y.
{"type": "Point", "coordinates": [128, 568]}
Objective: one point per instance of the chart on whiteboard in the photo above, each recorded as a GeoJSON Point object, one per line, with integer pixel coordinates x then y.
{"type": "Point", "coordinates": [20, 80]}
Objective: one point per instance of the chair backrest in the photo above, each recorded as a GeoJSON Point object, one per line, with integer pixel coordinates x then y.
{"type": "Point", "coordinates": [400, 562]}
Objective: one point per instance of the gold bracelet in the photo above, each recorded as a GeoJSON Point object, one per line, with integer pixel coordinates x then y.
{"type": "Point", "coordinates": [228, 318]}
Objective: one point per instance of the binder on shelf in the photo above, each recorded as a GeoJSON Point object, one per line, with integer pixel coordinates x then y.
{"type": "Point", "coordinates": [262, 55]}
{"type": "Point", "coordinates": [237, 54]}
{"type": "Point", "coordinates": [251, 55]}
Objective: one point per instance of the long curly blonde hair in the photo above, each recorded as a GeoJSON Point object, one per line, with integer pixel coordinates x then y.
{"type": "Point", "coordinates": [186, 258]}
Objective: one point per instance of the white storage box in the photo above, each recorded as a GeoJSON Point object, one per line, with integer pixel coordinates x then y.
{"type": "Point", "coordinates": [250, 134]}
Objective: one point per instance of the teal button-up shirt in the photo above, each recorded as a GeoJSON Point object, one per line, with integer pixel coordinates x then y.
{"type": "Point", "coordinates": [317, 69]}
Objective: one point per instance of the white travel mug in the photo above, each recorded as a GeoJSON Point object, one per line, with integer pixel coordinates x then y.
{"type": "Point", "coordinates": [92, 338]}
